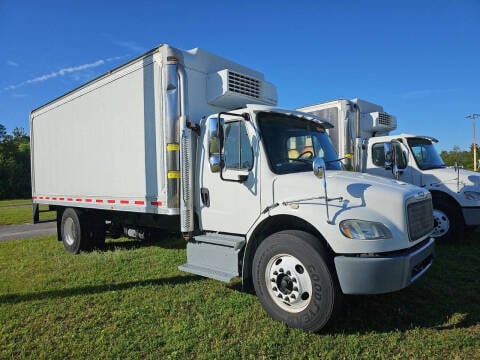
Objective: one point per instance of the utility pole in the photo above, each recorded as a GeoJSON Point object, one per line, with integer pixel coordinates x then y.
{"type": "Point", "coordinates": [474, 117]}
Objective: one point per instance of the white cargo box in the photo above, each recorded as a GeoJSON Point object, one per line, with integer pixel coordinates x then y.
{"type": "Point", "coordinates": [103, 145]}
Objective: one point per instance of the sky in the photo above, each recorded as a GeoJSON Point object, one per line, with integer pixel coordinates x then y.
{"type": "Point", "coordinates": [419, 59]}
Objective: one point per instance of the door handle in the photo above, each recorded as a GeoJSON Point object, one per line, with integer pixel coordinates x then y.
{"type": "Point", "coordinates": [205, 195]}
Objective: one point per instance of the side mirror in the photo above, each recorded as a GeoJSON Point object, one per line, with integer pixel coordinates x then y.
{"type": "Point", "coordinates": [389, 156]}
{"type": "Point", "coordinates": [319, 167]}
{"type": "Point", "coordinates": [215, 143]}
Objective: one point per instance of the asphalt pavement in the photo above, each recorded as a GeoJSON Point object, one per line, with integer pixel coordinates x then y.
{"type": "Point", "coordinates": [27, 231]}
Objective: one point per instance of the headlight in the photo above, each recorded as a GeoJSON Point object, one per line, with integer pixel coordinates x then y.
{"type": "Point", "coordinates": [364, 230]}
{"type": "Point", "coordinates": [471, 195]}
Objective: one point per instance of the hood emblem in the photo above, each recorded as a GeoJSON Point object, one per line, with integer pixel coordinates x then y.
{"type": "Point", "coordinates": [421, 195]}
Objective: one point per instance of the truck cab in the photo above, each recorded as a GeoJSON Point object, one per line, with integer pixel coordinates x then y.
{"type": "Point", "coordinates": [455, 191]}
{"type": "Point", "coordinates": [268, 212]}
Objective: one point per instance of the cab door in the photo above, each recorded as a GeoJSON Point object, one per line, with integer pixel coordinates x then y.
{"type": "Point", "coordinates": [376, 161]}
{"type": "Point", "coordinates": [229, 197]}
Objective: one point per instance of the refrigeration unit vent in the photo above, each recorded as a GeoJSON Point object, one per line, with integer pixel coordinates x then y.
{"type": "Point", "coordinates": [244, 85]}
{"type": "Point", "coordinates": [383, 121]}
{"type": "Point", "coordinates": [231, 89]}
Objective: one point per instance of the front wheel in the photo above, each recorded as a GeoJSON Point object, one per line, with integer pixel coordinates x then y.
{"type": "Point", "coordinates": [294, 280]}
{"type": "Point", "coordinates": [448, 223]}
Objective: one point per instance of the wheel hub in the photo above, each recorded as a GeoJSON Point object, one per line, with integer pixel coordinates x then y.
{"type": "Point", "coordinates": [69, 231]}
{"type": "Point", "coordinates": [441, 223]}
{"type": "Point", "coordinates": [285, 284]}
{"type": "Point", "coordinates": [288, 283]}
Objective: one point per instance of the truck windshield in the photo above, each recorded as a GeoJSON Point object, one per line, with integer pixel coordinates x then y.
{"type": "Point", "coordinates": [292, 143]}
{"type": "Point", "coordinates": [425, 154]}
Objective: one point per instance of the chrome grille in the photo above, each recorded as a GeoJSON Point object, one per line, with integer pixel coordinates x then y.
{"type": "Point", "coordinates": [420, 219]}
{"type": "Point", "coordinates": [244, 85]}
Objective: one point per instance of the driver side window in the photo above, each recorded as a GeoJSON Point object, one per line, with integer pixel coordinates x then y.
{"type": "Point", "coordinates": [238, 154]}
{"type": "Point", "coordinates": [378, 155]}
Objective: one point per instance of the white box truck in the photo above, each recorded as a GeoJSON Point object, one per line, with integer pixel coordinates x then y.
{"type": "Point", "coordinates": [192, 141]}
{"type": "Point", "coordinates": [361, 131]}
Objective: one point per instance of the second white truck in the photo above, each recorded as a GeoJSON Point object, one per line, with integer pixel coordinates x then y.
{"type": "Point", "coordinates": [360, 135]}
{"type": "Point", "coordinates": [190, 141]}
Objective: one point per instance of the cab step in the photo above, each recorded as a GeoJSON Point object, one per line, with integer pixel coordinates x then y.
{"type": "Point", "coordinates": [214, 255]}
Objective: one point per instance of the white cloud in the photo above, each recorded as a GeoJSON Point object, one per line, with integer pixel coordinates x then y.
{"type": "Point", "coordinates": [62, 72]}
{"type": "Point", "coordinates": [131, 46]}
{"type": "Point", "coordinates": [12, 63]}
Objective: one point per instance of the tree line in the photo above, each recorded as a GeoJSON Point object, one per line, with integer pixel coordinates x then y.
{"type": "Point", "coordinates": [461, 157]}
{"type": "Point", "coordinates": [14, 164]}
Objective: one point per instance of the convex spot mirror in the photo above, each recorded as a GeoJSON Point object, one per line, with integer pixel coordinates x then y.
{"type": "Point", "coordinates": [215, 143]}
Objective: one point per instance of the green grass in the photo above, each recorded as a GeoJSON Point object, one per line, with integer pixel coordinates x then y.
{"type": "Point", "coordinates": [14, 212]}
{"type": "Point", "coordinates": [15, 202]}
{"type": "Point", "coordinates": [131, 301]}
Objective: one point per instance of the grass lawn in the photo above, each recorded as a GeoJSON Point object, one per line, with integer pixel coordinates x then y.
{"type": "Point", "coordinates": [15, 202]}
{"type": "Point", "coordinates": [14, 212]}
{"type": "Point", "coordinates": [130, 301]}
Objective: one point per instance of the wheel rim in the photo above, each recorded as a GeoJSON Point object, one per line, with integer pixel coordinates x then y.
{"type": "Point", "coordinates": [441, 223]}
{"type": "Point", "coordinates": [288, 283]}
{"type": "Point", "coordinates": [69, 231]}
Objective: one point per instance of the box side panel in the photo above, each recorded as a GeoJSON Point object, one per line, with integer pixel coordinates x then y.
{"type": "Point", "coordinates": [102, 141]}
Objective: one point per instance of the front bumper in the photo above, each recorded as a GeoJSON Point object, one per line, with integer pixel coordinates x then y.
{"type": "Point", "coordinates": [384, 273]}
{"type": "Point", "coordinates": [471, 216]}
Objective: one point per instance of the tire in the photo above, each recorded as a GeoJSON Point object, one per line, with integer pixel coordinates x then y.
{"type": "Point", "coordinates": [73, 232]}
{"type": "Point", "coordinates": [294, 280]}
{"type": "Point", "coordinates": [448, 221]}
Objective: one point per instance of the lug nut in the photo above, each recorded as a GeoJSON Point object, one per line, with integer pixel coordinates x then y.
{"type": "Point", "coordinates": [274, 288]}
{"type": "Point", "coordinates": [275, 273]}
{"type": "Point", "coordinates": [272, 279]}
{"type": "Point", "coordinates": [280, 296]}
{"type": "Point", "coordinates": [294, 280]}
{"type": "Point", "coordinates": [288, 272]}
{"type": "Point", "coordinates": [281, 270]}
{"type": "Point", "coordinates": [293, 296]}
{"type": "Point", "coordinates": [295, 289]}
{"type": "Point", "coordinates": [287, 299]}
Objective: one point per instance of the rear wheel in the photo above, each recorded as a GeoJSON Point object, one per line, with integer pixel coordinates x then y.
{"type": "Point", "coordinates": [294, 281]}
{"type": "Point", "coordinates": [73, 231]}
{"type": "Point", "coordinates": [448, 222]}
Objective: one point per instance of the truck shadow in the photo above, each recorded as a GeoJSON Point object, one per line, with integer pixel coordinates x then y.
{"type": "Point", "coordinates": [447, 297]}
{"type": "Point", "coordinates": [164, 241]}
{"type": "Point", "coordinates": [95, 289]}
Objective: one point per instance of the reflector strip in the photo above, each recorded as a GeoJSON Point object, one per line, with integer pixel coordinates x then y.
{"type": "Point", "coordinates": [98, 201]}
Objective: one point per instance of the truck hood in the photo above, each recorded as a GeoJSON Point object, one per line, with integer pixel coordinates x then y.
{"type": "Point", "coordinates": [352, 196]}
{"type": "Point", "coordinates": [354, 188]}
{"type": "Point", "coordinates": [467, 180]}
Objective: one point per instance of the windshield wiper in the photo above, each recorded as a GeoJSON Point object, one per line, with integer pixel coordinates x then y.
{"type": "Point", "coordinates": [303, 161]}
{"type": "Point", "coordinates": [434, 167]}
